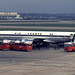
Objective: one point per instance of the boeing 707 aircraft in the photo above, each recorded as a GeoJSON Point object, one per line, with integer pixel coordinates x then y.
{"type": "Point", "coordinates": [38, 36]}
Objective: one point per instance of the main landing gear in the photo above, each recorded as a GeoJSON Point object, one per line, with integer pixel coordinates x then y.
{"type": "Point", "coordinates": [56, 46]}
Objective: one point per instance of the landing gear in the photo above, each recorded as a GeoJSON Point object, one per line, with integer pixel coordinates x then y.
{"type": "Point", "coordinates": [56, 46]}
{"type": "Point", "coordinates": [46, 45]}
{"type": "Point", "coordinates": [40, 44]}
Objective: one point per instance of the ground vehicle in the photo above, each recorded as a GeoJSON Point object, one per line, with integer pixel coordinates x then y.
{"type": "Point", "coordinates": [5, 44]}
{"type": "Point", "coordinates": [69, 46]}
{"type": "Point", "coordinates": [24, 46]}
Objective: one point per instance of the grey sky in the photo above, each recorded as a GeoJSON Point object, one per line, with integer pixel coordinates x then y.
{"type": "Point", "coordinates": [38, 6]}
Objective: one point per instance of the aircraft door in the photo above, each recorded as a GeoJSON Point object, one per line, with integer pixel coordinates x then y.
{"type": "Point", "coordinates": [72, 37]}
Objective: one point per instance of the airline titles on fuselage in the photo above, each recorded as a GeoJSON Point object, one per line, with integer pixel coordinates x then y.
{"type": "Point", "coordinates": [35, 34]}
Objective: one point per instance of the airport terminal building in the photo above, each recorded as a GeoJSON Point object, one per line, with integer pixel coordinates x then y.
{"type": "Point", "coordinates": [9, 16]}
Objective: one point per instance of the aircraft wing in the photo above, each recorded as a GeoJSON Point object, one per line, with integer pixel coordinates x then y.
{"type": "Point", "coordinates": [49, 41]}
{"type": "Point", "coordinates": [38, 39]}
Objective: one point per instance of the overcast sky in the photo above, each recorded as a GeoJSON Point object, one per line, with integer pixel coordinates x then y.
{"type": "Point", "coordinates": [38, 6]}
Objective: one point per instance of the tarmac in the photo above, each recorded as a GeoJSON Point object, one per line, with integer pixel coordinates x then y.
{"type": "Point", "coordinates": [37, 62]}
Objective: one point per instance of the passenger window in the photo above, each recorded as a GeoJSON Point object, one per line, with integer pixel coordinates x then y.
{"type": "Point", "coordinates": [35, 33]}
{"type": "Point", "coordinates": [40, 33]}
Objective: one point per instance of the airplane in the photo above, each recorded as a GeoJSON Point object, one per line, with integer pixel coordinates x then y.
{"type": "Point", "coordinates": [38, 37]}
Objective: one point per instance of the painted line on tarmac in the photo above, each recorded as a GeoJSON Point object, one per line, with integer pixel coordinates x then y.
{"type": "Point", "coordinates": [13, 66]}
{"type": "Point", "coordinates": [17, 65]}
{"type": "Point", "coordinates": [41, 61]}
{"type": "Point", "coordinates": [65, 56]}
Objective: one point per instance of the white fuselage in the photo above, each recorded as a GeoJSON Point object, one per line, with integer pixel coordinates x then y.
{"type": "Point", "coordinates": [37, 33]}
{"type": "Point", "coordinates": [47, 35]}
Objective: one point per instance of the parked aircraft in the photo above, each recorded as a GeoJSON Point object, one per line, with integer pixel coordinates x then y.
{"type": "Point", "coordinates": [38, 37]}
